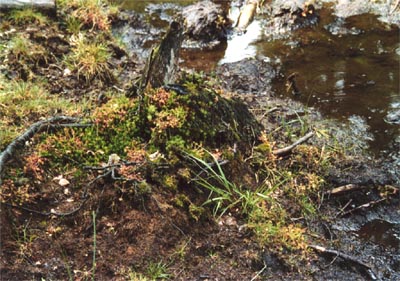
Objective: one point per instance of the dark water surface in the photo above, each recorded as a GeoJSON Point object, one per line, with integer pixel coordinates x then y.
{"type": "Point", "coordinates": [347, 68]}
{"type": "Point", "coordinates": [380, 232]}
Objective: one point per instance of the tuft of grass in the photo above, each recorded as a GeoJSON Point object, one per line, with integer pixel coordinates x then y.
{"type": "Point", "coordinates": [157, 270]}
{"type": "Point", "coordinates": [89, 59]}
{"type": "Point", "coordinates": [25, 51]}
{"type": "Point", "coordinates": [74, 25]}
{"type": "Point", "coordinates": [24, 239]}
{"type": "Point", "coordinates": [93, 13]}
{"type": "Point", "coordinates": [22, 102]}
{"type": "Point", "coordinates": [224, 194]}
{"type": "Point", "coordinates": [134, 276]}
{"type": "Point", "coordinates": [27, 16]}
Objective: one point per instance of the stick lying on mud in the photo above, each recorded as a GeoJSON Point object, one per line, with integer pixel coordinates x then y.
{"type": "Point", "coordinates": [51, 123]}
{"type": "Point", "coordinates": [346, 257]}
{"type": "Point", "coordinates": [344, 188]}
{"type": "Point", "coordinates": [364, 206]}
{"type": "Point", "coordinates": [288, 149]}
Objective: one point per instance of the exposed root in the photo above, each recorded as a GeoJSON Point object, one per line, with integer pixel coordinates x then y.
{"type": "Point", "coordinates": [51, 213]}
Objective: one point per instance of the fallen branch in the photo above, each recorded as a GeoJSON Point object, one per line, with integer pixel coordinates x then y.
{"type": "Point", "coordinates": [288, 149]}
{"type": "Point", "coordinates": [51, 123]}
{"type": "Point", "coordinates": [346, 257]}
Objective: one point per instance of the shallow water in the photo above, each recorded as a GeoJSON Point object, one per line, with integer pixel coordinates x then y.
{"type": "Point", "coordinates": [350, 74]}
{"type": "Point", "coordinates": [380, 232]}
{"type": "Point", "coordinates": [348, 69]}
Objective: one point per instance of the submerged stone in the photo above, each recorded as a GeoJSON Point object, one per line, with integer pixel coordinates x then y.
{"type": "Point", "coordinates": [206, 23]}
{"type": "Point", "coordinates": [290, 15]}
{"type": "Point", "coordinates": [248, 76]}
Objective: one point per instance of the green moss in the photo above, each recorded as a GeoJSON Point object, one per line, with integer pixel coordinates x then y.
{"type": "Point", "coordinates": [196, 212]}
{"type": "Point", "coordinates": [263, 148]}
{"type": "Point", "coordinates": [143, 188]}
{"type": "Point", "coordinates": [181, 200]}
{"type": "Point", "coordinates": [170, 182]}
{"type": "Point", "coordinates": [201, 115]}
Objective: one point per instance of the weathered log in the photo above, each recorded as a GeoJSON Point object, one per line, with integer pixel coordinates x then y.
{"type": "Point", "coordinates": [39, 4]}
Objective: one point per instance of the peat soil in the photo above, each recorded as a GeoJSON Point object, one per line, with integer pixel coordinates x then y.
{"type": "Point", "coordinates": [146, 233]}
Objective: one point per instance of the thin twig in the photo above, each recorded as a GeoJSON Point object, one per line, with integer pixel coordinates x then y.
{"type": "Point", "coordinates": [344, 188]}
{"type": "Point", "coordinates": [342, 255]}
{"type": "Point", "coordinates": [268, 112]}
{"type": "Point", "coordinates": [364, 206]}
{"type": "Point", "coordinates": [343, 208]}
{"type": "Point", "coordinates": [258, 273]}
{"type": "Point", "coordinates": [288, 149]}
{"type": "Point", "coordinates": [332, 262]}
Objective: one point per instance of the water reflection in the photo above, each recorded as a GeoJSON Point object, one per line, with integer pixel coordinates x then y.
{"type": "Point", "coordinates": [240, 46]}
{"type": "Point", "coordinates": [346, 75]}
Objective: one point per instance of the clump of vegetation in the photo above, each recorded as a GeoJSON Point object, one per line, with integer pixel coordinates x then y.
{"type": "Point", "coordinates": [27, 55]}
{"type": "Point", "coordinates": [94, 14]}
{"type": "Point", "coordinates": [73, 25]}
{"type": "Point", "coordinates": [281, 189]}
{"type": "Point", "coordinates": [21, 102]}
{"type": "Point", "coordinates": [27, 16]}
{"type": "Point", "coordinates": [89, 59]}
{"type": "Point", "coordinates": [169, 122]}
{"type": "Point", "coordinates": [197, 115]}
